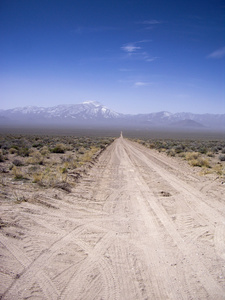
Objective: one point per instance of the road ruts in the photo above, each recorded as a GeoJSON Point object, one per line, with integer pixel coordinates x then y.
{"type": "Point", "coordinates": [133, 228]}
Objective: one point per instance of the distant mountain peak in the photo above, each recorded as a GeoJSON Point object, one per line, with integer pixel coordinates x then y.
{"type": "Point", "coordinates": [95, 103]}
{"type": "Point", "coordinates": [93, 112]}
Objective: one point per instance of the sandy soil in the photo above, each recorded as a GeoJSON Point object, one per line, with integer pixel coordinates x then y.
{"type": "Point", "coordinates": [140, 225]}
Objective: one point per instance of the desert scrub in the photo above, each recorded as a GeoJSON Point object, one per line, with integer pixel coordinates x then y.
{"type": "Point", "coordinates": [170, 152]}
{"type": "Point", "coordinates": [192, 155]}
{"type": "Point", "coordinates": [35, 158]}
{"type": "Point", "coordinates": [59, 148]}
{"type": "Point", "coordinates": [219, 169]}
{"type": "Point", "coordinates": [1, 157]}
{"type": "Point", "coordinates": [198, 153]}
{"type": "Point", "coordinates": [13, 150]}
{"type": "Point", "coordinates": [18, 175]}
{"type": "Point", "coordinates": [210, 154]}
{"type": "Point", "coordinates": [42, 159]}
{"type": "Point", "coordinates": [44, 151]}
{"type": "Point", "coordinates": [222, 157]}
{"type": "Point", "coordinates": [17, 162]}
{"type": "Point", "coordinates": [199, 162]}
{"type": "Point", "coordinates": [81, 150]}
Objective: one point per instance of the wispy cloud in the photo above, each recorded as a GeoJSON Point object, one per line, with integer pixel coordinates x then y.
{"type": "Point", "coordinates": [142, 83]}
{"type": "Point", "coordinates": [133, 50]}
{"type": "Point", "coordinates": [149, 24]}
{"type": "Point", "coordinates": [130, 48]}
{"type": "Point", "coordinates": [219, 53]}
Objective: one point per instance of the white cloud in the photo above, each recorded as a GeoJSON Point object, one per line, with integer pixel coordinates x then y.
{"type": "Point", "coordinates": [137, 52]}
{"type": "Point", "coordinates": [219, 53]}
{"type": "Point", "coordinates": [130, 48]}
{"type": "Point", "coordinates": [141, 83]}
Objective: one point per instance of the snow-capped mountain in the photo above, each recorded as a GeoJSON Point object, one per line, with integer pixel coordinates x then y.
{"type": "Point", "coordinates": [85, 111]}
{"type": "Point", "coordinates": [94, 113]}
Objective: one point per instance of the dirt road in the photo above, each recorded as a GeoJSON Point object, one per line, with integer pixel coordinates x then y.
{"type": "Point", "coordinates": [139, 226]}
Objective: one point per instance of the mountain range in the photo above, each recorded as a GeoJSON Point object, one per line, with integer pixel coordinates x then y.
{"type": "Point", "coordinates": [95, 114]}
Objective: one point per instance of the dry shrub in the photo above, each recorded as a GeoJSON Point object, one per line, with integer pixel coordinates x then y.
{"type": "Point", "coordinates": [222, 157]}
{"type": "Point", "coordinates": [17, 173]}
{"type": "Point", "coordinates": [37, 177]}
{"type": "Point", "coordinates": [59, 148]}
{"type": "Point", "coordinates": [210, 154]}
{"type": "Point", "coordinates": [1, 156]}
{"type": "Point", "coordinates": [17, 162]}
{"type": "Point", "coordinates": [81, 150]}
{"type": "Point", "coordinates": [199, 162]}
{"type": "Point", "coordinates": [219, 169]}
{"type": "Point", "coordinates": [171, 152]}
{"type": "Point", "coordinates": [44, 151]}
{"type": "Point", "coordinates": [192, 155]}
{"type": "Point", "coordinates": [36, 158]}
{"type": "Point", "coordinates": [13, 151]}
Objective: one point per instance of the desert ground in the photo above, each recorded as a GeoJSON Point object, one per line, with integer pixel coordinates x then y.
{"type": "Point", "coordinates": [138, 225]}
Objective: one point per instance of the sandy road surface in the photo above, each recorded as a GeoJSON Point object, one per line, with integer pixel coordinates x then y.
{"type": "Point", "coordinates": [139, 226]}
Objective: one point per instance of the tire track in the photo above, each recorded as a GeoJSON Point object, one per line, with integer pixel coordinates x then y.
{"type": "Point", "coordinates": [117, 236]}
{"type": "Point", "coordinates": [213, 289]}
{"type": "Point", "coordinates": [36, 265]}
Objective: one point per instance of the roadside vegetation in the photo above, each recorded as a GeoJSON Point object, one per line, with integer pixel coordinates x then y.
{"type": "Point", "coordinates": [47, 161]}
{"type": "Point", "coordinates": [207, 155]}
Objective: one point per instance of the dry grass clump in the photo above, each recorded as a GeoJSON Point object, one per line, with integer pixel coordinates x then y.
{"type": "Point", "coordinates": [194, 159]}
{"type": "Point", "coordinates": [192, 155]}
{"type": "Point", "coordinates": [199, 162]}
{"type": "Point", "coordinates": [35, 158]}
{"type": "Point", "coordinates": [18, 175]}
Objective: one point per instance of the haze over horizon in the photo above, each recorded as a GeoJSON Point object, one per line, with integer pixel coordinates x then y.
{"type": "Point", "coordinates": [131, 56]}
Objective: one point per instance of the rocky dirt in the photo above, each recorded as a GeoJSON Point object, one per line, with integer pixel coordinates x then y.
{"type": "Point", "coordinates": [140, 225]}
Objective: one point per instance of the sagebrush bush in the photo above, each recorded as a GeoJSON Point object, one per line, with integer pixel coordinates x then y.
{"type": "Point", "coordinates": [210, 154]}
{"type": "Point", "coordinates": [171, 152]}
{"type": "Point", "coordinates": [59, 148]}
{"type": "Point", "coordinates": [17, 173]}
{"type": "Point", "coordinates": [1, 157]}
{"type": "Point", "coordinates": [17, 162]}
{"type": "Point", "coordinates": [191, 155]}
{"type": "Point", "coordinates": [36, 158]}
{"type": "Point", "coordinates": [13, 150]}
{"type": "Point", "coordinates": [222, 157]}
{"type": "Point", "coordinates": [199, 162]}
{"type": "Point", "coordinates": [44, 151]}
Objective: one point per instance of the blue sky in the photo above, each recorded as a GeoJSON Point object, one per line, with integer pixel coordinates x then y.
{"type": "Point", "coordinates": [132, 56]}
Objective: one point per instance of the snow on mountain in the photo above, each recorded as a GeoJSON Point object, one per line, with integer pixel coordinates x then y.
{"type": "Point", "coordinates": [86, 110]}
{"type": "Point", "coordinates": [92, 112]}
